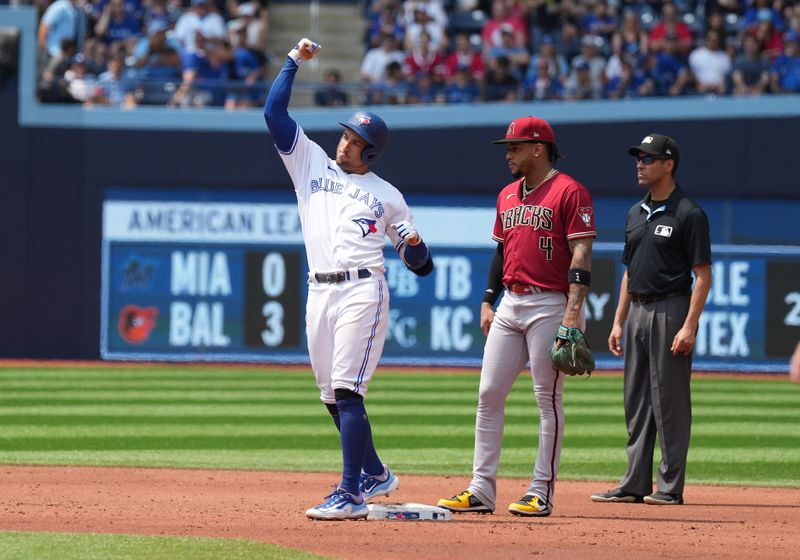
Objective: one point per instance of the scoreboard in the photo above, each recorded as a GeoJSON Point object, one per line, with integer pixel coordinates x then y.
{"type": "Point", "coordinates": [225, 280]}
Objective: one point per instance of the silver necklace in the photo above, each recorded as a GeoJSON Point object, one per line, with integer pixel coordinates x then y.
{"type": "Point", "coordinates": [528, 190]}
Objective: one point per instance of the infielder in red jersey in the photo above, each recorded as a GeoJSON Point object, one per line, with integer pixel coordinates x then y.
{"type": "Point", "coordinates": [544, 230]}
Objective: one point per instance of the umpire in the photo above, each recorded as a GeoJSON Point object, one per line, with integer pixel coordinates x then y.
{"type": "Point", "coordinates": [666, 239]}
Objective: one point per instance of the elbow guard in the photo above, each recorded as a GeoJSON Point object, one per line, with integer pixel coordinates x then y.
{"type": "Point", "coordinates": [418, 259]}
{"type": "Point", "coordinates": [425, 269]}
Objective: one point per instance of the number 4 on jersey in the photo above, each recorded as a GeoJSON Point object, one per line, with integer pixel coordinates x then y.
{"type": "Point", "coordinates": [546, 245]}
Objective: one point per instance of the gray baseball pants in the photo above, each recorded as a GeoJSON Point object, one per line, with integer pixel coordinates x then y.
{"type": "Point", "coordinates": [657, 397]}
{"type": "Point", "coordinates": [523, 330]}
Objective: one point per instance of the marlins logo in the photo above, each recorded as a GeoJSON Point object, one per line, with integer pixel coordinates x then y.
{"type": "Point", "coordinates": [363, 119]}
{"type": "Point", "coordinates": [137, 274]}
{"type": "Point", "coordinates": [135, 323]}
{"type": "Point", "coordinates": [367, 226]}
{"type": "Point", "coordinates": [586, 215]}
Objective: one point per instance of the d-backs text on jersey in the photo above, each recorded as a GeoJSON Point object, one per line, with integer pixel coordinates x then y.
{"type": "Point", "coordinates": [537, 217]}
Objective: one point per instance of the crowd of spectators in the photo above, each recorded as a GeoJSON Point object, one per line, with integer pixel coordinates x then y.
{"type": "Point", "coordinates": [124, 53]}
{"type": "Point", "coordinates": [454, 51]}
{"type": "Point", "coordinates": [213, 52]}
{"type": "Point", "coordinates": [9, 58]}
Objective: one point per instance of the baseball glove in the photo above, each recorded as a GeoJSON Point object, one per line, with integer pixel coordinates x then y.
{"type": "Point", "coordinates": [570, 353]}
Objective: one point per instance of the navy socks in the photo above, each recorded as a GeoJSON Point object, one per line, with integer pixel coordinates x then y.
{"type": "Point", "coordinates": [356, 436]}
{"type": "Point", "coordinates": [372, 463]}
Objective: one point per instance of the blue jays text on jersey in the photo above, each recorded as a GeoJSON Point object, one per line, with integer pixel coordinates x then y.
{"type": "Point", "coordinates": [326, 184]}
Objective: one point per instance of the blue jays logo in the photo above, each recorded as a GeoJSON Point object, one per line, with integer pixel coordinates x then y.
{"type": "Point", "coordinates": [363, 119]}
{"type": "Point", "coordinates": [367, 226]}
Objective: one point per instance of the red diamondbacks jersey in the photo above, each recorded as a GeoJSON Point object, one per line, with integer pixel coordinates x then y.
{"type": "Point", "coordinates": [535, 231]}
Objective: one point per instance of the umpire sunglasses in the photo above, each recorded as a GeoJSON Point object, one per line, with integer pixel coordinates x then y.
{"type": "Point", "coordinates": [649, 160]}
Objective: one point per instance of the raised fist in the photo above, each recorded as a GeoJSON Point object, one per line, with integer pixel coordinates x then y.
{"type": "Point", "coordinates": [305, 49]}
{"type": "Point", "coordinates": [407, 232]}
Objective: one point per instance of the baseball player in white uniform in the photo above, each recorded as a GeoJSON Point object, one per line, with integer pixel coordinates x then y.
{"type": "Point", "coordinates": [345, 212]}
{"type": "Point", "coordinates": [544, 229]}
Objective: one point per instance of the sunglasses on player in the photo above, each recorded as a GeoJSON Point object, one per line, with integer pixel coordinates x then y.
{"type": "Point", "coordinates": [649, 160]}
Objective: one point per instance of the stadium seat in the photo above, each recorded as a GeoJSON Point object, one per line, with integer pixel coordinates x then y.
{"type": "Point", "coordinates": [467, 22]}
{"type": "Point", "coordinates": [156, 92]}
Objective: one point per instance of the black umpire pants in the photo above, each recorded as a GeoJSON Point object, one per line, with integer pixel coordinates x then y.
{"type": "Point", "coordinates": [657, 396]}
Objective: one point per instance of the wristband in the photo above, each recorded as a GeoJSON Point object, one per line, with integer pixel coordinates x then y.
{"type": "Point", "coordinates": [294, 55]}
{"type": "Point", "coordinates": [579, 276]}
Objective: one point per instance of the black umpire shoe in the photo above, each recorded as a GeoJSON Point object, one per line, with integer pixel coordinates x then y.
{"type": "Point", "coordinates": [617, 495]}
{"type": "Point", "coordinates": [664, 499]}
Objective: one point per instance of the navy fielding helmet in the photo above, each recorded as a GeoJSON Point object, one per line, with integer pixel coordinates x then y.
{"type": "Point", "coordinates": [372, 129]}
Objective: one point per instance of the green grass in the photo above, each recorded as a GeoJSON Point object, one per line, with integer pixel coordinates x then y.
{"type": "Point", "coordinates": [744, 433]}
{"type": "Point", "coordinates": [744, 430]}
{"type": "Point", "coordinates": [66, 546]}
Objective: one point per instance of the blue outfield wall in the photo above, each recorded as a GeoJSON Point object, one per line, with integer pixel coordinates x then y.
{"type": "Point", "coordinates": [201, 276]}
{"type": "Point", "coordinates": [55, 181]}
{"type": "Point", "coordinates": [59, 164]}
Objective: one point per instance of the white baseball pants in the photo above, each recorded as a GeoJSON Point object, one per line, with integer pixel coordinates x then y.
{"type": "Point", "coordinates": [346, 327]}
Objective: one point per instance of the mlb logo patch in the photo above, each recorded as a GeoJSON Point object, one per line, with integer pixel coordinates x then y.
{"type": "Point", "coordinates": [664, 231]}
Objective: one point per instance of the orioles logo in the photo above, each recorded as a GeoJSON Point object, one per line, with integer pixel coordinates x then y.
{"type": "Point", "coordinates": [586, 215]}
{"type": "Point", "coordinates": [135, 323]}
{"type": "Point", "coordinates": [363, 119]}
{"type": "Point", "coordinates": [367, 226]}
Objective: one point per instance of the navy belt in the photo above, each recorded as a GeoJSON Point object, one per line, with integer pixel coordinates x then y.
{"type": "Point", "coordinates": [339, 276]}
{"type": "Point", "coordinates": [650, 298]}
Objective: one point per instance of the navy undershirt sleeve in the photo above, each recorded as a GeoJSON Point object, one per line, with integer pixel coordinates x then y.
{"type": "Point", "coordinates": [276, 109]}
{"type": "Point", "coordinates": [494, 282]}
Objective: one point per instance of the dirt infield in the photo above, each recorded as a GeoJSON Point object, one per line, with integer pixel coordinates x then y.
{"type": "Point", "coordinates": [716, 522]}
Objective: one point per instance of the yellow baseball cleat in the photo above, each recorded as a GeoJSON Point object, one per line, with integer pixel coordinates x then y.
{"type": "Point", "coordinates": [465, 501]}
{"type": "Point", "coordinates": [530, 505]}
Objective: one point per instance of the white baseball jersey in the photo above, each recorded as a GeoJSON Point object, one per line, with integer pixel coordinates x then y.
{"type": "Point", "coordinates": [344, 216]}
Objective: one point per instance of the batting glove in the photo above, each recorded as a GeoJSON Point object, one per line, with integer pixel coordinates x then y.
{"type": "Point", "coordinates": [407, 232]}
{"type": "Point", "coordinates": [305, 49]}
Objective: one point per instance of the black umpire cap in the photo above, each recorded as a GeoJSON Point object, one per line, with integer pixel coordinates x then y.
{"type": "Point", "coordinates": [657, 145]}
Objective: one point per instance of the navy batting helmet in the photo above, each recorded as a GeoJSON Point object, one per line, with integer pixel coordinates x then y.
{"type": "Point", "coordinates": [372, 129]}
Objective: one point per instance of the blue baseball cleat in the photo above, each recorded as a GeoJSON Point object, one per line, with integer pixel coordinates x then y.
{"type": "Point", "coordinates": [340, 504]}
{"type": "Point", "coordinates": [372, 487]}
